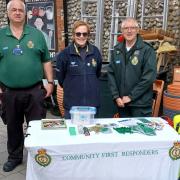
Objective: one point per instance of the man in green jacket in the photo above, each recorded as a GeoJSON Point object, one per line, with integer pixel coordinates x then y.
{"type": "Point", "coordinates": [131, 73]}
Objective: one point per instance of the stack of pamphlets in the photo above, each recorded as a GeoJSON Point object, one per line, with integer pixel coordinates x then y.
{"type": "Point", "coordinates": [53, 124]}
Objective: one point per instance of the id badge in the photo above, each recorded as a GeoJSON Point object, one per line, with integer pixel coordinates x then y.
{"type": "Point", "coordinates": [17, 51]}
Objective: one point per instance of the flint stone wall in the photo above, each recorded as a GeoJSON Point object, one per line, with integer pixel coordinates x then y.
{"type": "Point", "coordinates": [3, 15]}
{"type": "Point", "coordinates": [152, 8]}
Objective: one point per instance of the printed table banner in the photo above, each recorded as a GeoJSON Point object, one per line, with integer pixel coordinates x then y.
{"type": "Point", "coordinates": [60, 156]}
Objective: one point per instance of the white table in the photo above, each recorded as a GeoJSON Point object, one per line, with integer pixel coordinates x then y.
{"type": "Point", "coordinates": [101, 156]}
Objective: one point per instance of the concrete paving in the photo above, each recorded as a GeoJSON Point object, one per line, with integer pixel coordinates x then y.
{"type": "Point", "coordinates": [18, 173]}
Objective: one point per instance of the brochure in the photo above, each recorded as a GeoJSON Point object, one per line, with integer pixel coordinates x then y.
{"type": "Point", "coordinates": [53, 124]}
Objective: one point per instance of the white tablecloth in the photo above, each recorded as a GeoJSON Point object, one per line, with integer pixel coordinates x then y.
{"type": "Point", "coordinates": [101, 156]}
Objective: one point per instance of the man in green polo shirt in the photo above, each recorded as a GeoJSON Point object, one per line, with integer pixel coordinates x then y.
{"type": "Point", "coordinates": [24, 59]}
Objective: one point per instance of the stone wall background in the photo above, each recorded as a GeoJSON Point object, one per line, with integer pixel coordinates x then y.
{"type": "Point", "coordinates": [174, 20]}
{"type": "Point", "coordinates": [153, 7]}
{"type": "Point", "coordinates": [3, 15]}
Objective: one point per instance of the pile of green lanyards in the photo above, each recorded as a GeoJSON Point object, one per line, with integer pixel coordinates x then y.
{"type": "Point", "coordinates": [139, 128]}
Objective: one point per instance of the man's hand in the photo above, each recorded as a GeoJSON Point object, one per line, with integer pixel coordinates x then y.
{"type": "Point", "coordinates": [119, 102]}
{"type": "Point", "coordinates": [126, 99]}
{"type": "Point", "coordinates": [49, 89]}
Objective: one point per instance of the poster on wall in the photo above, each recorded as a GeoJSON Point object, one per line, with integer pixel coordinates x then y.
{"type": "Point", "coordinates": [40, 14]}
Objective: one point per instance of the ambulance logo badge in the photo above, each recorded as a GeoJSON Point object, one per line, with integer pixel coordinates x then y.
{"type": "Point", "coordinates": [94, 63]}
{"type": "Point", "coordinates": [30, 44]}
{"type": "Point", "coordinates": [134, 61]}
{"type": "Point", "coordinates": [42, 158]}
{"type": "Point", "coordinates": [174, 152]}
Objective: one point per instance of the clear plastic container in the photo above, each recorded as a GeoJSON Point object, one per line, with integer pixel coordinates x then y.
{"type": "Point", "coordinates": [82, 115]}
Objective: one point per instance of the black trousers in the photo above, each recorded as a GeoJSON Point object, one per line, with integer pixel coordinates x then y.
{"type": "Point", "coordinates": [130, 111]}
{"type": "Point", "coordinates": [20, 104]}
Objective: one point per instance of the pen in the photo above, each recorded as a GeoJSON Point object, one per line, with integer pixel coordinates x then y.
{"type": "Point", "coordinates": [124, 120]}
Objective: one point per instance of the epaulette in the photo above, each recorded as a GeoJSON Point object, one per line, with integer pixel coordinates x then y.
{"type": "Point", "coordinates": [119, 45]}
{"type": "Point", "coordinates": [149, 44]}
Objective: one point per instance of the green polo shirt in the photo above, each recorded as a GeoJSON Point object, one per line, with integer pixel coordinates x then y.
{"type": "Point", "coordinates": [21, 61]}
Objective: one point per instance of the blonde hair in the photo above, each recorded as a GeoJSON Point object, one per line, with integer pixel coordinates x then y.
{"type": "Point", "coordinates": [80, 23]}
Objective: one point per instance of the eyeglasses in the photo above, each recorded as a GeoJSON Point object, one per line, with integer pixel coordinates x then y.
{"type": "Point", "coordinates": [78, 34]}
{"type": "Point", "coordinates": [133, 28]}
{"type": "Point", "coordinates": [14, 10]}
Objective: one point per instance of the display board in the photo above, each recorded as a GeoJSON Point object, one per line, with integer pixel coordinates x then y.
{"type": "Point", "coordinates": [40, 14]}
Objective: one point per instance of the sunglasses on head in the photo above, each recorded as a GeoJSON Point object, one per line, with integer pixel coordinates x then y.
{"type": "Point", "coordinates": [78, 34]}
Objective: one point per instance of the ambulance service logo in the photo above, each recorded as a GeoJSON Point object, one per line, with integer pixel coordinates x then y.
{"type": "Point", "coordinates": [134, 61]}
{"type": "Point", "coordinates": [94, 63]}
{"type": "Point", "coordinates": [30, 44]}
{"type": "Point", "coordinates": [174, 152]}
{"type": "Point", "coordinates": [42, 158]}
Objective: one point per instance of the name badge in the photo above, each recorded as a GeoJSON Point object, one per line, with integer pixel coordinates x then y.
{"type": "Point", "coordinates": [17, 51]}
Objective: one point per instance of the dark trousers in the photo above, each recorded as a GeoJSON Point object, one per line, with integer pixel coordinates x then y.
{"type": "Point", "coordinates": [17, 104]}
{"type": "Point", "coordinates": [130, 111]}
{"type": "Point", "coordinates": [67, 114]}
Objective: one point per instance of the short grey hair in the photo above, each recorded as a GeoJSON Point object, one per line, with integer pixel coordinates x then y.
{"type": "Point", "coordinates": [129, 19]}
{"type": "Point", "coordinates": [10, 2]}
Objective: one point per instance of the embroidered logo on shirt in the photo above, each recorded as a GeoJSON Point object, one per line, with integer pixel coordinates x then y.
{"type": "Point", "coordinates": [5, 48]}
{"type": "Point", "coordinates": [30, 44]}
{"type": "Point", "coordinates": [118, 61]}
{"type": "Point", "coordinates": [73, 64]}
{"type": "Point", "coordinates": [94, 63]}
{"type": "Point", "coordinates": [42, 158]}
{"type": "Point", "coordinates": [136, 52]}
{"type": "Point", "coordinates": [117, 52]}
{"type": "Point", "coordinates": [134, 61]}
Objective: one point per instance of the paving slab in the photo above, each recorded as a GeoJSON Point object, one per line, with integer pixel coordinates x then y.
{"type": "Point", "coordinates": [16, 176]}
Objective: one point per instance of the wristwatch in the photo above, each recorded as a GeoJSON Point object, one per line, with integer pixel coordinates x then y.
{"type": "Point", "coordinates": [51, 82]}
